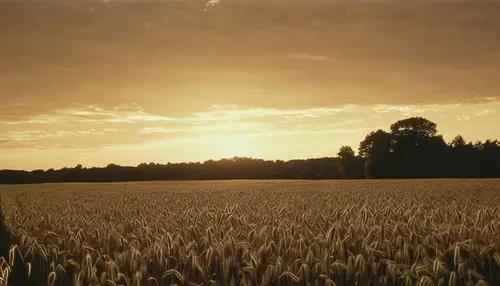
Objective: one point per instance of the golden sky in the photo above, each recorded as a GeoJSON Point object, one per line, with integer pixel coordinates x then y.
{"type": "Point", "coordinates": [92, 83]}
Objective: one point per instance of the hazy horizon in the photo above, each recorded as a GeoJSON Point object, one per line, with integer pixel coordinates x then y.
{"type": "Point", "coordinates": [99, 82]}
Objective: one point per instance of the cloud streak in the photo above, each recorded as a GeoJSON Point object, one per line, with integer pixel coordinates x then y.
{"type": "Point", "coordinates": [93, 114]}
{"type": "Point", "coordinates": [34, 135]}
{"type": "Point", "coordinates": [135, 114]}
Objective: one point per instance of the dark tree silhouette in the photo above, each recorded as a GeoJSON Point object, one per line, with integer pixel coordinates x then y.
{"type": "Point", "coordinates": [376, 148]}
{"type": "Point", "coordinates": [414, 141]}
{"type": "Point", "coordinates": [231, 168]}
{"type": "Point", "coordinates": [414, 128]}
{"type": "Point", "coordinates": [350, 166]}
{"type": "Point", "coordinates": [410, 132]}
{"type": "Point", "coordinates": [413, 149]}
{"type": "Point", "coordinates": [457, 141]}
{"type": "Point", "coordinates": [375, 144]}
{"type": "Point", "coordinates": [346, 153]}
{"type": "Point", "coordinates": [5, 238]}
{"type": "Point", "coordinates": [307, 174]}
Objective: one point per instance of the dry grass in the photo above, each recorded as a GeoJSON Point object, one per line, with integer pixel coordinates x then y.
{"type": "Point", "coordinates": [443, 232]}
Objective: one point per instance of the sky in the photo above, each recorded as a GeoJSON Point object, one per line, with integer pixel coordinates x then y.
{"type": "Point", "coordinates": [126, 82]}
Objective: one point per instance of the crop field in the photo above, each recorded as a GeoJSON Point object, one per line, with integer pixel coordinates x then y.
{"type": "Point", "coordinates": [413, 232]}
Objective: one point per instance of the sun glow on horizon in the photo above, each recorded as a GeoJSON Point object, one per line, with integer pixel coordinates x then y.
{"type": "Point", "coordinates": [232, 146]}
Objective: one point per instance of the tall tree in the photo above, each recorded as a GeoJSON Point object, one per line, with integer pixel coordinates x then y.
{"type": "Point", "coordinates": [412, 131]}
{"type": "Point", "coordinates": [377, 149]}
{"type": "Point", "coordinates": [375, 144]}
{"type": "Point", "coordinates": [346, 153]}
{"type": "Point", "coordinates": [349, 165]}
{"type": "Point", "coordinates": [409, 137]}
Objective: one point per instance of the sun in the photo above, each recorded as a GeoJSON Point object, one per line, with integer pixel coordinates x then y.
{"type": "Point", "coordinates": [233, 146]}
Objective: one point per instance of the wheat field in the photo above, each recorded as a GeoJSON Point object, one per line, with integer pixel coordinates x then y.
{"type": "Point", "coordinates": [413, 232]}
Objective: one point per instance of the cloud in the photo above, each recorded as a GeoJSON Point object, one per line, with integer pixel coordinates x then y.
{"type": "Point", "coordinates": [484, 112]}
{"type": "Point", "coordinates": [129, 124]}
{"type": "Point", "coordinates": [232, 112]}
{"type": "Point", "coordinates": [149, 130]}
{"type": "Point", "coordinates": [218, 127]}
{"type": "Point", "coordinates": [460, 118]}
{"type": "Point", "coordinates": [42, 138]}
{"type": "Point", "coordinates": [127, 113]}
{"type": "Point", "coordinates": [412, 109]}
{"type": "Point", "coordinates": [255, 56]}
{"type": "Point", "coordinates": [134, 114]}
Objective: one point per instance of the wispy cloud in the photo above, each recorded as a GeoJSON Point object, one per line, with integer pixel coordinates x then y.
{"type": "Point", "coordinates": [223, 127]}
{"type": "Point", "coordinates": [460, 118]}
{"type": "Point", "coordinates": [94, 114]}
{"type": "Point", "coordinates": [135, 114]}
{"type": "Point", "coordinates": [484, 112]}
{"type": "Point", "coordinates": [412, 109]}
{"type": "Point", "coordinates": [218, 113]}
{"type": "Point", "coordinates": [153, 130]}
{"type": "Point", "coordinates": [129, 124]}
{"type": "Point", "coordinates": [35, 135]}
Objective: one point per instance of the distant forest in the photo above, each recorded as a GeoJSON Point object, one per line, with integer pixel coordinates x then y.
{"type": "Point", "coordinates": [411, 148]}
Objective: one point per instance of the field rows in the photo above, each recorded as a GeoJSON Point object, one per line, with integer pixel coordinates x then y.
{"type": "Point", "coordinates": [443, 232]}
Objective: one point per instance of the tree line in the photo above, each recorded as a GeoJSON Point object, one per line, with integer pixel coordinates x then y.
{"type": "Point", "coordinates": [224, 169]}
{"type": "Point", "coordinates": [411, 148]}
